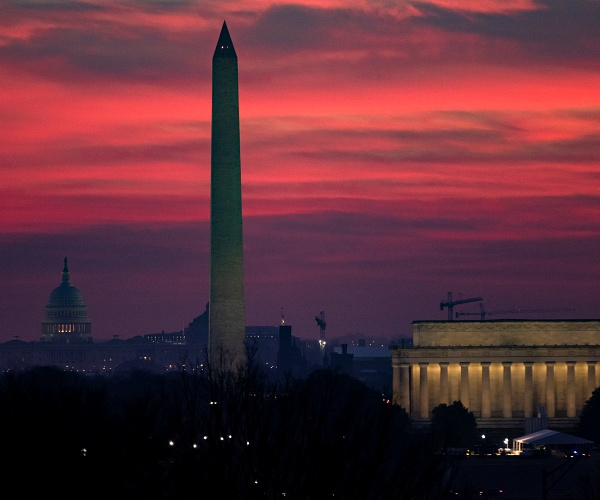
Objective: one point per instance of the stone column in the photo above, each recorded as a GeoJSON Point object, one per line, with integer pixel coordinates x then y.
{"type": "Point", "coordinates": [550, 390]}
{"type": "Point", "coordinates": [486, 410]}
{"type": "Point", "coordinates": [395, 381]}
{"type": "Point", "coordinates": [528, 396]}
{"type": "Point", "coordinates": [424, 391]}
{"type": "Point", "coordinates": [444, 390]}
{"type": "Point", "coordinates": [571, 389]}
{"type": "Point", "coordinates": [507, 390]}
{"type": "Point", "coordinates": [591, 378]}
{"type": "Point", "coordinates": [464, 384]}
{"type": "Point", "coordinates": [404, 401]}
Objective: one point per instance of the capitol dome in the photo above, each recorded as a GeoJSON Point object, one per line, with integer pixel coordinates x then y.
{"type": "Point", "coordinates": [66, 317]}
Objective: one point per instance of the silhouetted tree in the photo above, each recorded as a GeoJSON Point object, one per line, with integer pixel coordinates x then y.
{"type": "Point", "coordinates": [217, 433]}
{"type": "Point", "coordinates": [453, 426]}
{"type": "Point", "coordinates": [589, 420]}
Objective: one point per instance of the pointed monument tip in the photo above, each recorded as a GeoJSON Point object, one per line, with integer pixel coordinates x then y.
{"type": "Point", "coordinates": [225, 45]}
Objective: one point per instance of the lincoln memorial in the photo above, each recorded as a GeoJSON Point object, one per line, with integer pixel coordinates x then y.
{"type": "Point", "coordinates": [503, 371]}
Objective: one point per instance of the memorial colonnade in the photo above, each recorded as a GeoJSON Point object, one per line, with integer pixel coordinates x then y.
{"type": "Point", "coordinates": [511, 375]}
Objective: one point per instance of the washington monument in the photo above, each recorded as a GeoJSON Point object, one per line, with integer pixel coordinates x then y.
{"type": "Point", "coordinates": [226, 323]}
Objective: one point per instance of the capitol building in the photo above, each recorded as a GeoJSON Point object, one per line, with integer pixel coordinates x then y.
{"type": "Point", "coordinates": [66, 317]}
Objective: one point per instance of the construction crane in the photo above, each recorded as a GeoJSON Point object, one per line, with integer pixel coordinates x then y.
{"type": "Point", "coordinates": [321, 322]}
{"type": "Point", "coordinates": [482, 313]}
{"type": "Point", "coordinates": [451, 303]}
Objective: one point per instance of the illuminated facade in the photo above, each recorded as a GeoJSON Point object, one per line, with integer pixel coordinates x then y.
{"type": "Point", "coordinates": [503, 371]}
{"type": "Point", "coordinates": [66, 318]}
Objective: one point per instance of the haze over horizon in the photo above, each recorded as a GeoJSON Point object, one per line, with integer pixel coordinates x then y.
{"type": "Point", "coordinates": [391, 153]}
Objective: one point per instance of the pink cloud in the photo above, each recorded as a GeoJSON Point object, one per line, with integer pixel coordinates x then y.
{"type": "Point", "coordinates": [388, 156]}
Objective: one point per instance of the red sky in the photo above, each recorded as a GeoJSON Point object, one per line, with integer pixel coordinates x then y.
{"type": "Point", "coordinates": [390, 155]}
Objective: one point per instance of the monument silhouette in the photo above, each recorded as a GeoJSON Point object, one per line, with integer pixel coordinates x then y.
{"type": "Point", "coordinates": [226, 325]}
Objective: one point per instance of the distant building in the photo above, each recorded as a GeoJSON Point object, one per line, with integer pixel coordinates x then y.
{"type": "Point", "coordinates": [66, 342]}
{"type": "Point", "coordinates": [263, 341]}
{"type": "Point", "coordinates": [66, 318]}
{"type": "Point", "coordinates": [368, 363]}
{"type": "Point", "coordinates": [196, 333]}
{"type": "Point", "coordinates": [291, 360]}
{"type": "Point", "coordinates": [173, 338]}
{"type": "Point", "coordinates": [503, 371]}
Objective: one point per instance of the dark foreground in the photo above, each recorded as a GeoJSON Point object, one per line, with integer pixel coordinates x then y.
{"type": "Point", "coordinates": [528, 478]}
{"type": "Point", "coordinates": [233, 435]}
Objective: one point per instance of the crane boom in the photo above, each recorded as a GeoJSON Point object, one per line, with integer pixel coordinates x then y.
{"type": "Point", "coordinates": [484, 313]}
{"type": "Point", "coordinates": [322, 325]}
{"type": "Point", "coordinates": [451, 303]}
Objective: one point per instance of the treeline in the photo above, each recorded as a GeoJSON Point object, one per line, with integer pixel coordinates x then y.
{"type": "Point", "coordinates": [216, 434]}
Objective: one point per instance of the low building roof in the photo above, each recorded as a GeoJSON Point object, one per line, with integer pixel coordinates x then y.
{"type": "Point", "coordinates": [547, 436]}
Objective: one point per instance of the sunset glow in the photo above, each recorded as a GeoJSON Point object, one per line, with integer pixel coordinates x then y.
{"type": "Point", "coordinates": [389, 155]}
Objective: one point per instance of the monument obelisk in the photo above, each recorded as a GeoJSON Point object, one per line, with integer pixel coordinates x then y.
{"type": "Point", "coordinates": [226, 321]}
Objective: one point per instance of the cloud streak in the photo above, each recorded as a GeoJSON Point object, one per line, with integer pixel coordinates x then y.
{"type": "Point", "coordinates": [389, 155]}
